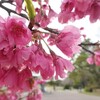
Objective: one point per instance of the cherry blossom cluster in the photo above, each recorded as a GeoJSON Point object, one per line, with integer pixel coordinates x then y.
{"type": "Point", "coordinates": [77, 9]}
{"type": "Point", "coordinates": [16, 55]}
{"type": "Point", "coordinates": [21, 47]}
{"type": "Point", "coordinates": [33, 94]}
{"type": "Point", "coordinates": [21, 53]}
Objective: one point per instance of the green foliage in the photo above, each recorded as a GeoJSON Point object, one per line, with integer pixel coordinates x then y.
{"type": "Point", "coordinates": [88, 89]}
{"type": "Point", "coordinates": [67, 86]}
{"type": "Point", "coordinates": [57, 83]}
{"type": "Point", "coordinates": [85, 75]}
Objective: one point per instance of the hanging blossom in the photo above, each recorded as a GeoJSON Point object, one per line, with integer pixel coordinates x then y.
{"type": "Point", "coordinates": [67, 40]}
{"type": "Point", "coordinates": [77, 9]}
{"type": "Point", "coordinates": [14, 36]}
{"type": "Point", "coordinates": [14, 31]}
{"type": "Point", "coordinates": [8, 95]}
{"type": "Point", "coordinates": [62, 66]}
{"type": "Point", "coordinates": [44, 18]}
{"type": "Point", "coordinates": [17, 32]}
{"type": "Point", "coordinates": [18, 5]}
{"type": "Point", "coordinates": [40, 61]}
{"type": "Point", "coordinates": [32, 94]}
{"type": "Point", "coordinates": [14, 52]}
{"type": "Point", "coordinates": [94, 59]}
{"type": "Point", "coordinates": [16, 80]}
{"type": "Point", "coordinates": [14, 57]}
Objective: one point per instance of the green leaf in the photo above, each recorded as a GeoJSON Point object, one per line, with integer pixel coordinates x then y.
{"type": "Point", "coordinates": [30, 9]}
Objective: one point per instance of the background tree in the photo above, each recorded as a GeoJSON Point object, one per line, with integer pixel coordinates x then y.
{"type": "Point", "coordinates": [85, 75]}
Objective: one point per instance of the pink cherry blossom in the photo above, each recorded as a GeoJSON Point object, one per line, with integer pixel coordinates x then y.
{"type": "Point", "coordinates": [42, 19]}
{"type": "Point", "coordinates": [3, 96]}
{"type": "Point", "coordinates": [8, 95]}
{"type": "Point", "coordinates": [89, 8]}
{"type": "Point", "coordinates": [24, 80]}
{"type": "Point", "coordinates": [61, 65]}
{"type": "Point", "coordinates": [90, 60]}
{"type": "Point", "coordinates": [84, 7]}
{"type": "Point", "coordinates": [94, 59]}
{"type": "Point", "coordinates": [64, 17]}
{"type": "Point", "coordinates": [41, 62]}
{"type": "Point", "coordinates": [52, 14]}
{"type": "Point", "coordinates": [46, 73]}
{"type": "Point", "coordinates": [52, 39]}
{"type": "Point", "coordinates": [18, 33]}
{"type": "Point", "coordinates": [41, 16]}
{"type": "Point", "coordinates": [77, 9]}
{"type": "Point", "coordinates": [2, 73]}
{"type": "Point", "coordinates": [14, 57]}
{"type": "Point", "coordinates": [3, 39]}
{"type": "Point", "coordinates": [66, 8]}
{"type": "Point", "coordinates": [97, 58]}
{"type": "Point", "coordinates": [47, 1]}
{"type": "Point", "coordinates": [10, 79]}
{"type": "Point", "coordinates": [86, 4]}
{"type": "Point", "coordinates": [94, 11]}
{"type": "Point", "coordinates": [16, 80]}
{"type": "Point", "coordinates": [68, 40]}
{"type": "Point", "coordinates": [18, 5]}
{"type": "Point", "coordinates": [13, 32]}
{"type": "Point", "coordinates": [22, 52]}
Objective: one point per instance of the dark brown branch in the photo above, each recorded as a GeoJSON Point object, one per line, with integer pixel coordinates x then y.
{"type": "Point", "coordinates": [5, 1]}
{"type": "Point", "coordinates": [90, 44]}
{"type": "Point", "coordinates": [86, 50]}
{"type": "Point", "coordinates": [12, 11]}
{"type": "Point", "coordinates": [51, 30]}
{"type": "Point", "coordinates": [48, 29]}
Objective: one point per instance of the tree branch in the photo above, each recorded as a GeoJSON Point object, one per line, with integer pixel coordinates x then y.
{"type": "Point", "coordinates": [48, 29]}
{"type": "Point", "coordinates": [11, 11]}
{"type": "Point", "coordinates": [86, 49]}
{"type": "Point", "coordinates": [90, 44]}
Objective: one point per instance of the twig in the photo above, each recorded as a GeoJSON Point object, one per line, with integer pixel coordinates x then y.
{"type": "Point", "coordinates": [90, 44]}
{"type": "Point", "coordinates": [48, 29]}
{"type": "Point", "coordinates": [51, 30]}
{"type": "Point", "coordinates": [86, 49]}
{"type": "Point", "coordinates": [12, 11]}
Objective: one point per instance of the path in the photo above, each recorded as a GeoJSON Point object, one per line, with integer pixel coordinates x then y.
{"type": "Point", "coordinates": [68, 95]}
